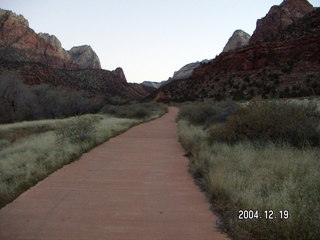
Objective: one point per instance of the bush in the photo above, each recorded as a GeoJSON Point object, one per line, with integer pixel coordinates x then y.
{"type": "Point", "coordinates": [4, 143]}
{"type": "Point", "coordinates": [19, 102]}
{"type": "Point", "coordinates": [271, 121]}
{"type": "Point", "coordinates": [80, 130]}
{"type": "Point", "coordinates": [134, 111]}
{"type": "Point", "coordinates": [206, 114]}
{"type": "Point", "coordinates": [16, 100]}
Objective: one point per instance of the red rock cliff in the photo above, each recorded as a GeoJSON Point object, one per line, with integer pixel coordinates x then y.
{"type": "Point", "coordinates": [19, 43]}
{"type": "Point", "coordinates": [279, 18]}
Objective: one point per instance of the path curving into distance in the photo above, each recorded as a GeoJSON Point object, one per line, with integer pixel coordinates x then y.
{"type": "Point", "coordinates": [133, 187]}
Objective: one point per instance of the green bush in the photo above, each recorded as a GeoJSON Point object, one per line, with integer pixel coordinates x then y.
{"type": "Point", "coordinates": [271, 121]}
{"type": "Point", "coordinates": [206, 114]}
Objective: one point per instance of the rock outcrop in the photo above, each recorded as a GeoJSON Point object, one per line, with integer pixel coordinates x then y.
{"type": "Point", "coordinates": [238, 39]}
{"type": "Point", "coordinates": [152, 84]}
{"type": "Point", "coordinates": [19, 43]}
{"type": "Point", "coordinates": [120, 74]}
{"type": "Point", "coordinates": [186, 71]}
{"type": "Point", "coordinates": [85, 57]}
{"type": "Point", "coordinates": [52, 40]}
{"type": "Point", "coordinates": [279, 18]}
{"type": "Point", "coordinates": [56, 44]}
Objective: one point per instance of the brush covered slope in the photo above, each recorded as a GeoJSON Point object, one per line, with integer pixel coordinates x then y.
{"type": "Point", "coordinates": [286, 65]}
{"type": "Point", "coordinates": [97, 82]}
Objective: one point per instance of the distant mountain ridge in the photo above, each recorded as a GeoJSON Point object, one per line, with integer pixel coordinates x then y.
{"type": "Point", "coordinates": [284, 65]}
{"type": "Point", "coordinates": [152, 84]}
{"type": "Point", "coordinates": [238, 39]}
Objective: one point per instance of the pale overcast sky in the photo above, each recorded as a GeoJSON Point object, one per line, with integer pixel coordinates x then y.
{"type": "Point", "coordinates": [149, 39]}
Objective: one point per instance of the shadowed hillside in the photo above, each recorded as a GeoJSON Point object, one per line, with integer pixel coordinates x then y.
{"type": "Point", "coordinates": [286, 65]}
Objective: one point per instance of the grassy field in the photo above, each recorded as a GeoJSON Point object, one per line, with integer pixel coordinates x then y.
{"type": "Point", "coordinates": [257, 156]}
{"type": "Point", "coordinates": [30, 151]}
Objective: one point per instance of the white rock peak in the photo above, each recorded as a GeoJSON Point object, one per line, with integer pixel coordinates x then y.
{"type": "Point", "coordinates": [238, 39]}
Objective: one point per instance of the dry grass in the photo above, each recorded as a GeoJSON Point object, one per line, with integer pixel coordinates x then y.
{"type": "Point", "coordinates": [30, 151]}
{"type": "Point", "coordinates": [247, 176]}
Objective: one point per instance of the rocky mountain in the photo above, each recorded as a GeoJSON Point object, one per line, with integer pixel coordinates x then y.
{"type": "Point", "coordinates": [238, 39]}
{"type": "Point", "coordinates": [120, 74]}
{"type": "Point", "coordinates": [19, 43]}
{"type": "Point", "coordinates": [182, 73]}
{"type": "Point", "coordinates": [85, 57]}
{"type": "Point", "coordinates": [186, 71]}
{"type": "Point", "coordinates": [279, 18]}
{"type": "Point", "coordinates": [96, 82]}
{"type": "Point", "coordinates": [152, 84]}
{"type": "Point", "coordinates": [285, 66]}
{"type": "Point", "coordinates": [53, 41]}
{"type": "Point", "coordinates": [40, 59]}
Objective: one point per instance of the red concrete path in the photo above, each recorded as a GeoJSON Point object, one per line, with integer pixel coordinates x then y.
{"type": "Point", "coordinates": [133, 187]}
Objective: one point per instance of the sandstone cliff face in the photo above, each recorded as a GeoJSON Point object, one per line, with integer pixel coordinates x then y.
{"type": "Point", "coordinates": [85, 57]}
{"type": "Point", "coordinates": [52, 40]}
{"type": "Point", "coordinates": [238, 39]}
{"type": "Point", "coordinates": [20, 43]}
{"type": "Point", "coordinates": [186, 71]}
{"type": "Point", "coordinates": [276, 69]}
{"type": "Point", "coordinates": [120, 74]}
{"type": "Point", "coordinates": [288, 66]}
{"type": "Point", "coordinates": [40, 59]}
{"type": "Point", "coordinates": [56, 44]}
{"type": "Point", "coordinates": [279, 18]}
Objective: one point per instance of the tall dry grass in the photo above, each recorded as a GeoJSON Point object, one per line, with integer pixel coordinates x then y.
{"type": "Point", "coordinates": [244, 175]}
{"type": "Point", "coordinates": [30, 151]}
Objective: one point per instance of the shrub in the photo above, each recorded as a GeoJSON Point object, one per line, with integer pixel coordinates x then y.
{"type": "Point", "coordinates": [80, 130]}
{"type": "Point", "coordinates": [19, 102]}
{"type": "Point", "coordinates": [206, 114]}
{"type": "Point", "coordinates": [4, 143]}
{"type": "Point", "coordinates": [271, 121]}
{"type": "Point", "coordinates": [16, 100]}
{"type": "Point", "coordinates": [134, 111]}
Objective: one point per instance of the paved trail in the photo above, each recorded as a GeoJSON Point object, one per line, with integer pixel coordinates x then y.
{"type": "Point", "coordinates": [133, 187]}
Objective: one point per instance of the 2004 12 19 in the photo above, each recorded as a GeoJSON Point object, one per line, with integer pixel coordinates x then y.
{"type": "Point", "coordinates": [267, 214]}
